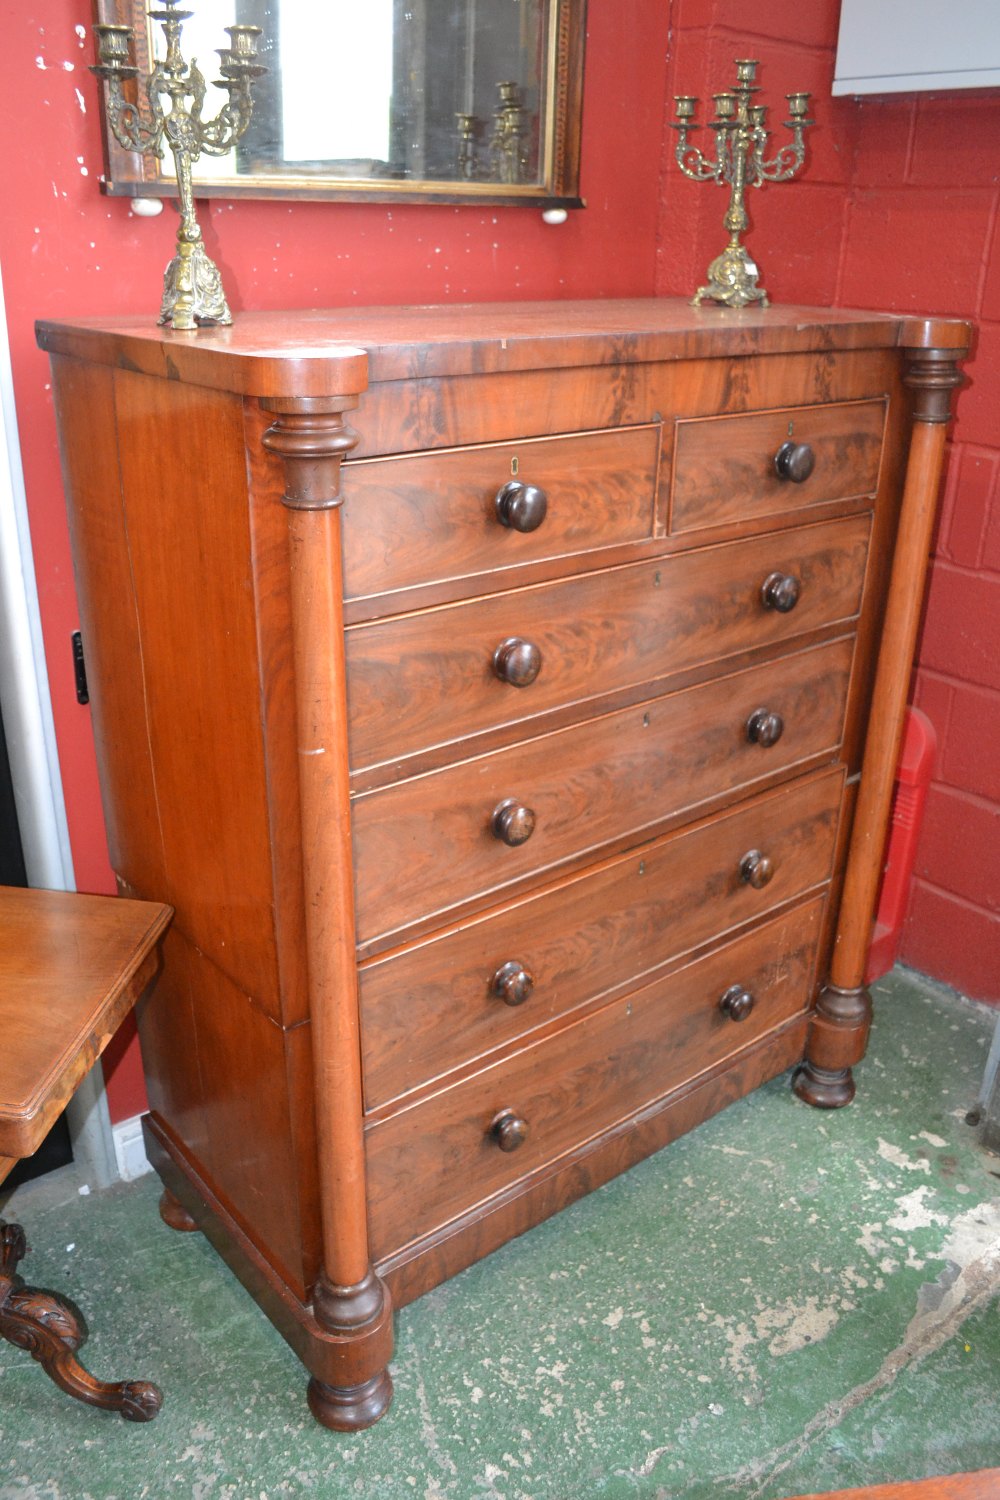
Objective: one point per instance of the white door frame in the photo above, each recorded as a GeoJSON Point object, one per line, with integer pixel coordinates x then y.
{"type": "Point", "coordinates": [31, 742]}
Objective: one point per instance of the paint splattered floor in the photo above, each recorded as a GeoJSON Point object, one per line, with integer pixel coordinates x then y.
{"type": "Point", "coordinates": [783, 1301]}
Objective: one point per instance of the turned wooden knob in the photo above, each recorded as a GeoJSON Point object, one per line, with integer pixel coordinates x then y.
{"type": "Point", "coordinates": [512, 983]}
{"type": "Point", "coordinates": [756, 869]}
{"type": "Point", "coordinates": [794, 461]}
{"type": "Point", "coordinates": [764, 728]}
{"type": "Point", "coordinates": [780, 591]}
{"type": "Point", "coordinates": [512, 823]}
{"type": "Point", "coordinates": [509, 1130]}
{"type": "Point", "coordinates": [520, 506]}
{"type": "Point", "coordinates": [517, 662]}
{"type": "Point", "coordinates": [736, 1003]}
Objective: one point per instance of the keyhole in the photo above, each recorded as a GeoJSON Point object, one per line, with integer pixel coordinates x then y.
{"type": "Point", "coordinates": [514, 466]}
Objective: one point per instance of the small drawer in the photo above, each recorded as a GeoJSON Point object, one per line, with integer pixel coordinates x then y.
{"type": "Point", "coordinates": [439, 675]}
{"type": "Point", "coordinates": [767, 463]}
{"type": "Point", "coordinates": [428, 844]}
{"type": "Point", "coordinates": [439, 1004]}
{"type": "Point", "coordinates": [449, 1153]}
{"type": "Point", "coordinates": [431, 516]}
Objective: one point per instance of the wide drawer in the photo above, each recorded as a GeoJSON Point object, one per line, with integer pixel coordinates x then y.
{"type": "Point", "coordinates": [430, 516]}
{"type": "Point", "coordinates": [725, 470]}
{"type": "Point", "coordinates": [442, 674]}
{"type": "Point", "coordinates": [433, 1161]}
{"type": "Point", "coordinates": [432, 842]}
{"type": "Point", "coordinates": [441, 1003]}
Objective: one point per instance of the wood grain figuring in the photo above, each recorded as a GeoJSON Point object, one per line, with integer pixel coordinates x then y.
{"type": "Point", "coordinates": [431, 1007]}
{"type": "Point", "coordinates": [322, 353]}
{"type": "Point", "coordinates": [412, 520]}
{"type": "Point", "coordinates": [424, 1160]}
{"type": "Point", "coordinates": [88, 449]}
{"type": "Point", "coordinates": [502, 913]}
{"type": "Point", "coordinates": [588, 786]}
{"type": "Point", "coordinates": [423, 1264]}
{"type": "Point", "coordinates": [71, 969]}
{"type": "Point", "coordinates": [724, 467]}
{"type": "Point", "coordinates": [403, 415]}
{"type": "Point", "coordinates": [430, 677]}
{"type": "Point", "coordinates": [194, 630]}
{"type": "Point", "coordinates": [236, 1123]}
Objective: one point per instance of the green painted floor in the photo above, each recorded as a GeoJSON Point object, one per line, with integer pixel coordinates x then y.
{"type": "Point", "coordinates": [783, 1301]}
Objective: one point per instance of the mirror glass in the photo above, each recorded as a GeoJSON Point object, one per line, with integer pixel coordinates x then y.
{"type": "Point", "coordinates": [394, 99]}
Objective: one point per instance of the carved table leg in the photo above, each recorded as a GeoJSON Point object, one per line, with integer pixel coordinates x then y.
{"type": "Point", "coordinates": [175, 1215]}
{"type": "Point", "coordinates": [51, 1329]}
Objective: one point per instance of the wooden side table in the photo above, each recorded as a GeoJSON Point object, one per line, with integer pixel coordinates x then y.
{"type": "Point", "coordinates": [71, 968]}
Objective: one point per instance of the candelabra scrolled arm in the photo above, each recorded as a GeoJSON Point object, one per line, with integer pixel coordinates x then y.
{"type": "Point", "coordinates": [694, 164]}
{"type": "Point", "coordinates": [783, 165]}
{"type": "Point", "coordinates": [130, 129]}
{"type": "Point", "coordinates": [220, 135]}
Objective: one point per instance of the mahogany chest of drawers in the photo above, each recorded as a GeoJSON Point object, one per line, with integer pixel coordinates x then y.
{"type": "Point", "coordinates": [517, 758]}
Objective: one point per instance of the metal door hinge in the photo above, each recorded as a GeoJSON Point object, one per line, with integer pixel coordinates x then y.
{"type": "Point", "coordinates": [80, 669]}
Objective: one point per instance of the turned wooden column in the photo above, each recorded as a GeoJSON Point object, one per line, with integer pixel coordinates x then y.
{"type": "Point", "coordinates": [838, 1034]}
{"type": "Point", "coordinates": [311, 437]}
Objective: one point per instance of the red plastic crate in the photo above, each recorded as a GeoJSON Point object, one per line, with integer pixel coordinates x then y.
{"type": "Point", "coordinates": [913, 775]}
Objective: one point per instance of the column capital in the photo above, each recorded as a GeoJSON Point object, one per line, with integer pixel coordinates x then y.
{"type": "Point", "coordinates": [311, 437]}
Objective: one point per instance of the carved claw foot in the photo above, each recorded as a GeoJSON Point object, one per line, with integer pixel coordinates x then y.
{"type": "Point", "coordinates": [51, 1330]}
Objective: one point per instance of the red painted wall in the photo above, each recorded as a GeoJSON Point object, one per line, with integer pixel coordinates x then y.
{"type": "Point", "coordinates": [897, 209]}
{"type": "Point", "coordinates": [66, 250]}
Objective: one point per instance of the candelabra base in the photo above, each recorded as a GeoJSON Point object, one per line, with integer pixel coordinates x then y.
{"type": "Point", "coordinates": [192, 290]}
{"type": "Point", "coordinates": [732, 279]}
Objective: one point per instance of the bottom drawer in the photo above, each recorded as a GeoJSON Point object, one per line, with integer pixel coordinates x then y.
{"type": "Point", "coordinates": [437, 1159]}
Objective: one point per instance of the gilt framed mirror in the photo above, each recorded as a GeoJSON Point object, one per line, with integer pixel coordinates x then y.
{"type": "Point", "coordinates": [391, 101]}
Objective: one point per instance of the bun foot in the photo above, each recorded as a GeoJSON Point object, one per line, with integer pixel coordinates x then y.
{"type": "Point", "coordinates": [823, 1088]}
{"type": "Point", "coordinates": [350, 1408]}
{"type": "Point", "coordinates": [174, 1214]}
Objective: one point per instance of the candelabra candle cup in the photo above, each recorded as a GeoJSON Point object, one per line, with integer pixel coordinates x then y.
{"type": "Point", "coordinates": [466, 125]}
{"type": "Point", "coordinates": [507, 144]}
{"type": "Point", "coordinates": [170, 118]}
{"type": "Point", "coordinates": [741, 138]}
{"type": "Point", "coordinates": [114, 51]}
{"type": "Point", "coordinates": [244, 40]}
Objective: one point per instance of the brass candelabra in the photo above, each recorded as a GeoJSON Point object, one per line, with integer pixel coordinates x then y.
{"type": "Point", "coordinates": [741, 140]}
{"type": "Point", "coordinates": [175, 95]}
{"type": "Point", "coordinates": [507, 142]}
